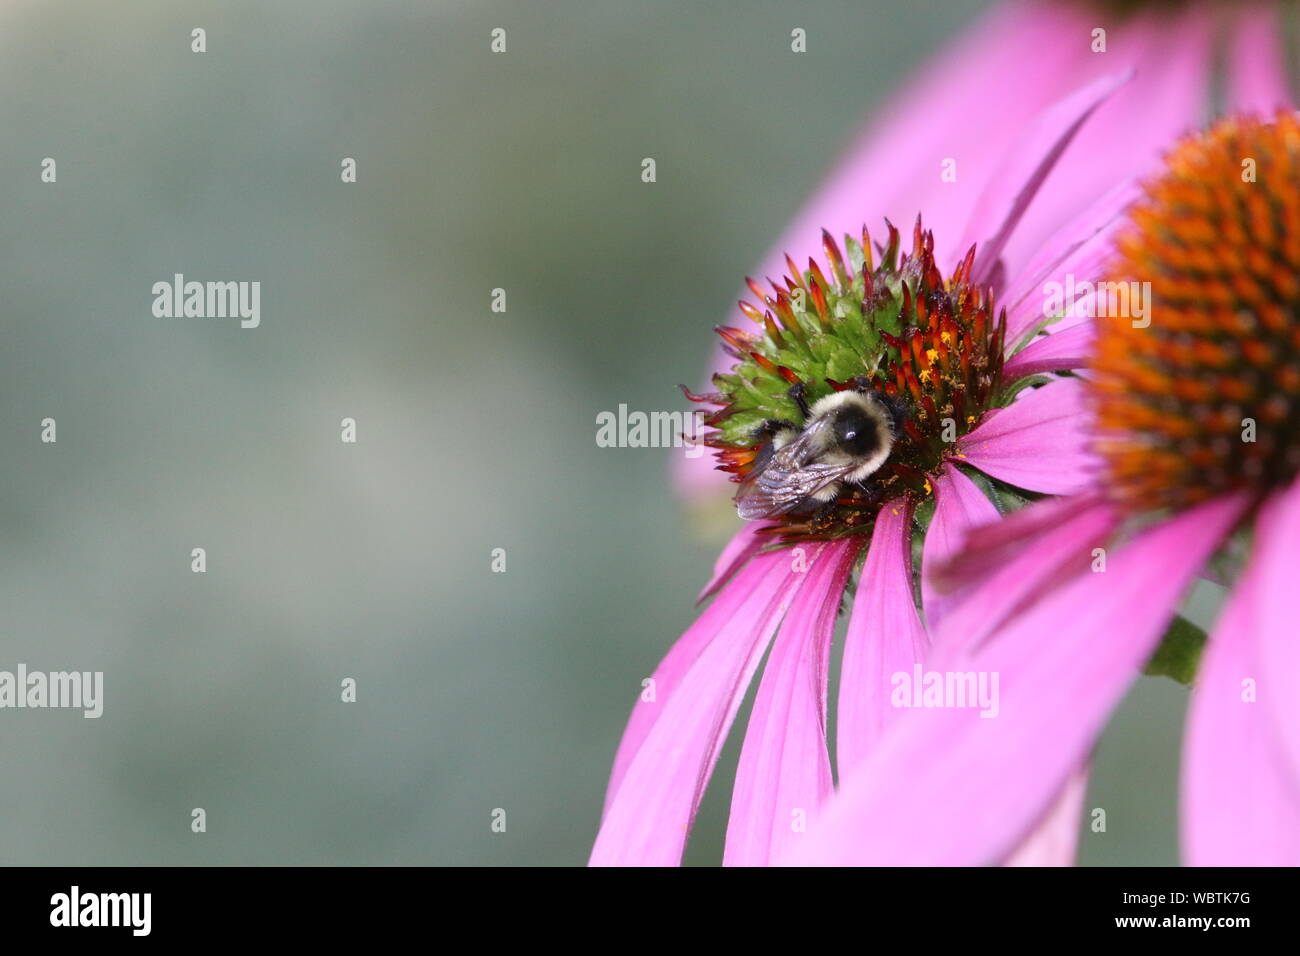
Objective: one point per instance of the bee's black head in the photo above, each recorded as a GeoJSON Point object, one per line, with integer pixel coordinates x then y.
{"type": "Point", "coordinates": [858, 431]}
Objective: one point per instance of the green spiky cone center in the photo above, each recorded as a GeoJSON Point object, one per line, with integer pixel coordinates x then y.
{"type": "Point", "coordinates": [895, 326]}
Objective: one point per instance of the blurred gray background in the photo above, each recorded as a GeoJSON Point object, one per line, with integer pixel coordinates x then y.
{"type": "Point", "coordinates": [475, 430]}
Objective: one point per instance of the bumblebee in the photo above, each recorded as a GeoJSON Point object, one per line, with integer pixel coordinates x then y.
{"type": "Point", "coordinates": [845, 438]}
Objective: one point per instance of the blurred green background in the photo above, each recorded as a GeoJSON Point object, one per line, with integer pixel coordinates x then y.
{"type": "Point", "coordinates": [476, 430]}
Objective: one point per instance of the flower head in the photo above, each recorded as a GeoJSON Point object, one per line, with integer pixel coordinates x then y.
{"type": "Point", "coordinates": [974, 417]}
{"type": "Point", "coordinates": [930, 346]}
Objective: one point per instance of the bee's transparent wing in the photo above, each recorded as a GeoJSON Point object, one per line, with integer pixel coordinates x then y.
{"type": "Point", "coordinates": [789, 476]}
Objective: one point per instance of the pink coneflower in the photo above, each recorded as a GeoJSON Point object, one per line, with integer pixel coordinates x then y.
{"type": "Point", "coordinates": [955, 371]}
{"type": "Point", "coordinates": [937, 144]}
{"type": "Point", "coordinates": [1197, 429]}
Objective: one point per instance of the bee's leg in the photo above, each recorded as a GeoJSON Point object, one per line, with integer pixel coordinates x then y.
{"type": "Point", "coordinates": [822, 516]}
{"type": "Point", "coordinates": [768, 429]}
{"type": "Point", "coordinates": [797, 392]}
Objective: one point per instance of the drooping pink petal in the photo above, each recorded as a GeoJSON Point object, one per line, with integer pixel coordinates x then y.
{"type": "Point", "coordinates": [651, 810]}
{"type": "Point", "coordinates": [1054, 840]}
{"type": "Point", "coordinates": [741, 609]}
{"type": "Point", "coordinates": [991, 546]}
{"type": "Point", "coordinates": [743, 545]}
{"type": "Point", "coordinates": [949, 787]}
{"type": "Point", "coordinates": [1068, 349]}
{"type": "Point", "coordinates": [1256, 68]}
{"type": "Point", "coordinates": [1003, 568]}
{"type": "Point", "coordinates": [1277, 634]}
{"type": "Point", "coordinates": [1027, 164]}
{"type": "Point", "coordinates": [784, 774]}
{"type": "Point", "coordinates": [959, 507]}
{"type": "Point", "coordinates": [1039, 442]}
{"type": "Point", "coordinates": [1241, 801]}
{"type": "Point", "coordinates": [885, 636]}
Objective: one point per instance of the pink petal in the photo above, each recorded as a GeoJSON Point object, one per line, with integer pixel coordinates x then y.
{"type": "Point", "coordinates": [1082, 248]}
{"type": "Point", "coordinates": [1257, 74]}
{"type": "Point", "coordinates": [1087, 300]}
{"type": "Point", "coordinates": [741, 609]}
{"type": "Point", "coordinates": [744, 545]}
{"type": "Point", "coordinates": [650, 813]}
{"type": "Point", "coordinates": [1028, 162]}
{"type": "Point", "coordinates": [885, 636]}
{"type": "Point", "coordinates": [1039, 442]}
{"type": "Point", "coordinates": [947, 787]}
{"type": "Point", "coordinates": [964, 105]}
{"type": "Point", "coordinates": [1054, 841]}
{"type": "Point", "coordinates": [1241, 802]}
{"type": "Point", "coordinates": [785, 771]}
{"type": "Point", "coordinates": [1067, 349]}
{"type": "Point", "coordinates": [1003, 568]}
{"type": "Point", "coordinates": [989, 548]}
{"type": "Point", "coordinates": [1277, 635]}
{"type": "Point", "coordinates": [1126, 139]}
{"type": "Point", "coordinates": [698, 479]}
{"type": "Point", "coordinates": [959, 506]}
